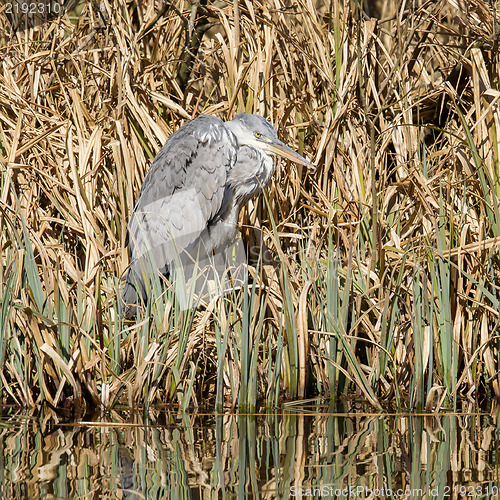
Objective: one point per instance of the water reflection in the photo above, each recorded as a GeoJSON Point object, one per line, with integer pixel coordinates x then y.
{"type": "Point", "coordinates": [280, 455]}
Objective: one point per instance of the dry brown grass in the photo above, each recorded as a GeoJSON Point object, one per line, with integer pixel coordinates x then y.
{"type": "Point", "coordinates": [401, 115]}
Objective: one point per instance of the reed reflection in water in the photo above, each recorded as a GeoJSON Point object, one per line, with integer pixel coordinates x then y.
{"type": "Point", "coordinates": [278, 455]}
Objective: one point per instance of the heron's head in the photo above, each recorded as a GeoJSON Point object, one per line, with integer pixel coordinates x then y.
{"type": "Point", "coordinates": [255, 131]}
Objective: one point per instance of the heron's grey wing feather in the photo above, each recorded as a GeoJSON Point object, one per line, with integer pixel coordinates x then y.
{"type": "Point", "coordinates": [182, 191]}
{"type": "Point", "coordinates": [226, 200]}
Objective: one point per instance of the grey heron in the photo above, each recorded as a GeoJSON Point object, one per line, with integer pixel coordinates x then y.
{"type": "Point", "coordinates": [193, 193]}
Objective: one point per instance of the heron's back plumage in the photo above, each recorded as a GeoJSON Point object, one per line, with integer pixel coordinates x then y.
{"type": "Point", "coordinates": [191, 196]}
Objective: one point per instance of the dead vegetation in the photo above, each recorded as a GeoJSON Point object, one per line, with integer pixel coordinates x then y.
{"type": "Point", "coordinates": [386, 270]}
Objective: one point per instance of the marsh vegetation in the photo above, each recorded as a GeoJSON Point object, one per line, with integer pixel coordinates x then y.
{"type": "Point", "coordinates": [377, 275]}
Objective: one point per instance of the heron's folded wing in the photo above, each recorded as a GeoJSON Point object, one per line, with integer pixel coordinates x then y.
{"type": "Point", "coordinates": [182, 191]}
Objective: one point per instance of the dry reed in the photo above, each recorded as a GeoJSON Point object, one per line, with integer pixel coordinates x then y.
{"type": "Point", "coordinates": [383, 267]}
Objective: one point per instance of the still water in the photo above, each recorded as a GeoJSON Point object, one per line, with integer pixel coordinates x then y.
{"type": "Point", "coordinates": [292, 453]}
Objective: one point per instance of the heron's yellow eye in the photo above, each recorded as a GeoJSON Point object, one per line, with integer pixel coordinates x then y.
{"type": "Point", "coordinates": [258, 135]}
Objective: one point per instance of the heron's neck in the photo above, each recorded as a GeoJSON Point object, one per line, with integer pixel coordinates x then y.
{"type": "Point", "coordinates": [248, 177]}
{"type": "Point", "coordinates": [256, 180]}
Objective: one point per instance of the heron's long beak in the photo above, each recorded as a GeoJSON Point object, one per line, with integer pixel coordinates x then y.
{"type": "Point", "coordinates": [279, 148]}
